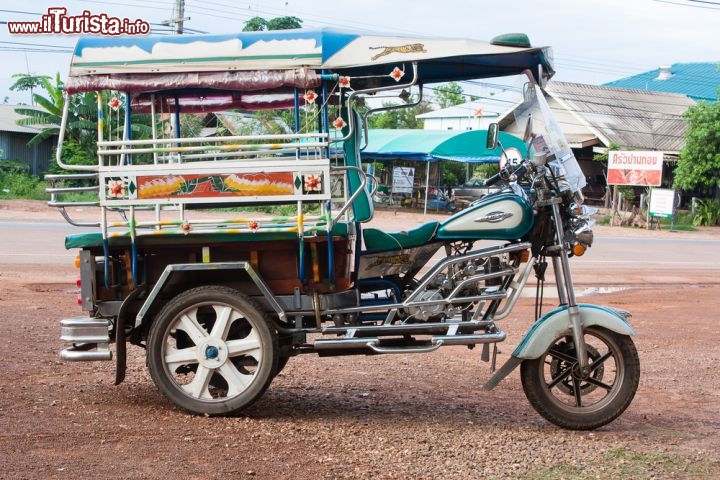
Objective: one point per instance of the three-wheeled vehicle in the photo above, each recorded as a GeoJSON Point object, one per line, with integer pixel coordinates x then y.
{"type": "Point", "coordinates": [182, 264]}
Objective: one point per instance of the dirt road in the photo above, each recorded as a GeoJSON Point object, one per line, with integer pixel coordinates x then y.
{"type": "Point", "coordinates": [400, 416]}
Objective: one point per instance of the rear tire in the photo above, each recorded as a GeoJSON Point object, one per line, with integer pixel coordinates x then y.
{"type": "Point", "coordinates": [556, 391]}
{"type": "Point", "coordinates": [211, 351]}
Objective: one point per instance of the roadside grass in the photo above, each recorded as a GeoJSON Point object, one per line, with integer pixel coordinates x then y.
{"type": "Point", "coordinates": [633, 465]}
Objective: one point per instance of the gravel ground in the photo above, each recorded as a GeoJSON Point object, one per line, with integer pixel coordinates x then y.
{"type": "Point", "coordinates": [398, 416]}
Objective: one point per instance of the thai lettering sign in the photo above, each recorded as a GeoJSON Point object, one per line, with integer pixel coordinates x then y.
{"type": "Point", "coordinates": [635, 168]}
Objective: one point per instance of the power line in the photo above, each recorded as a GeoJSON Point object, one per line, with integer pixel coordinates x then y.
{"type": "Point", "coordinates": [692, 6]}
{"type": "Point", "coordinates": [20, 12]}
{"type": "Point", "coordinates": [37, 45]}
{"type": "Point", "coordinates": [141, 4]}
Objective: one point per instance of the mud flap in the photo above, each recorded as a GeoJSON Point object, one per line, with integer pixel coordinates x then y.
{"type": "Point", "coordinates": [510, 365]}
{"type": "Point", "coordinates": [120, 340]}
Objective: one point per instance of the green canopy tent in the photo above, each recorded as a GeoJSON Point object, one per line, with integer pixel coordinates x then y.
{"type": "Point", "coordinates": [468, 146]}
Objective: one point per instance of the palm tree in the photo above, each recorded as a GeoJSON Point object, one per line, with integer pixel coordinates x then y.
{"type": "Point", "coordinates": [81, 128]}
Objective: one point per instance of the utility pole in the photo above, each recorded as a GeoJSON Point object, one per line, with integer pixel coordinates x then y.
{"type": "Point", "coordinates": [178, 17]}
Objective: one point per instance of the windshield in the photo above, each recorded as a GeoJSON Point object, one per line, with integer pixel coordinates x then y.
{"type": "Point", "coordinates": [544, 133]}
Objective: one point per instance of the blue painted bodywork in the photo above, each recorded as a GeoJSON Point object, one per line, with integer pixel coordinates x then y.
{"type": "Point", "coordinates": [463, 225]}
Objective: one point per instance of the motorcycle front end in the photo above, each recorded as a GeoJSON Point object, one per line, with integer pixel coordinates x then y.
{"type": "Point", "coordinates": [579, 366]}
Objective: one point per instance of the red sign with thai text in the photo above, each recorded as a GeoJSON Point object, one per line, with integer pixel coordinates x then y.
{"type": "Point", "coordinates": [642, 168]}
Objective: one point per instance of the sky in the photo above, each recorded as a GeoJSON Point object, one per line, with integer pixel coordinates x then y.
{"type": "Point", "coordinates": [594, 41]}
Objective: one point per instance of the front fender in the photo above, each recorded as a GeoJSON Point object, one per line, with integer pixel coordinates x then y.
{"type": "Point", "coordinates": [556, 323]}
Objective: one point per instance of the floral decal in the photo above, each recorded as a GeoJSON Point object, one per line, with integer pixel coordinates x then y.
{"type": "Point", "coordinates": [253, 226]}
{"type": "Point", "coordinates": [261, 184]}
{"type": "Point", "coordinates": [397, 74]}
{"type": "Point", "coordinates": [310, 96]}
{"type": "Point", "coordinates": [186, 227]}
{"type": "Point", "coordinates": [116, 189]}
{"type": "Point", "coordinates": [114, 103]}
{"type": "Point", "coordinates": [339, 123]}
{"type": "Point", "coordinates": [161, 187]}
{"type": "Point", "coordinates": [222, 185]}
{"type": "Point", "coordinates": [344, 82]}
{"type": "Point", "coordinates": [313, 183]}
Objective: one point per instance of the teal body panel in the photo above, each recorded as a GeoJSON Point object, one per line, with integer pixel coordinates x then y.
{"type": "Point", "coordinates": [499, 216]}
{"type": "Point", "coordinates": [556, 323]}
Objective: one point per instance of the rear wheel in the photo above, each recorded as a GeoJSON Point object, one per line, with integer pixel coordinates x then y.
{"type": "Point", "coordinates": [559, 392]}
{"type": "Point", "coordinates": [211, 351]}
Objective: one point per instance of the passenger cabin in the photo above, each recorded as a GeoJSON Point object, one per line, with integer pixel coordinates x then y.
{"type": "Point", "coordinates": [168, 194]}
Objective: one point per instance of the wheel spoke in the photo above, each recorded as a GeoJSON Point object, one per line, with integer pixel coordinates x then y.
{"type": "Point", "coordinates": [249, 345]}
{"type": "Point", "coordinates": [598, 383]}
{"type": "Point", "coordinates": [176, 357]}
{"type": "Point", "coordinates": [223, 321]}
{"type": "Point", "coordinates": [237, 381]}
{"type": "Point", "coordinates": [198, 388]}
{"type": "Point", "coordinates": [599, 361]}
{"type": "Point", "coordinates": [578, 392]}
{"type": "Point", "coordinates": [189, 324]}
{"type": "Point", "coordinates": [561, 376]}
{"type": "Point", "coordinates": [562, 356]}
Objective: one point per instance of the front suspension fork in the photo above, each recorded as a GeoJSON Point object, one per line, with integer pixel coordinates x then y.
{"type": "Point", "coordinates": [566, 292]}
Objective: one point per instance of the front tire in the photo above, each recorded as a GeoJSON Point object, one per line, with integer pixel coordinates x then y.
{"type": "Point", "coordinates": [558, 392]}
{"type": "Point", "coordinates": [211, 351]}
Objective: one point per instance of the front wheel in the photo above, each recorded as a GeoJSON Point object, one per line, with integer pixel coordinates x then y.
{"type": "Point", "coordinates": [211, 351]}
{"type": "Point", "coordinates": [559, 392]}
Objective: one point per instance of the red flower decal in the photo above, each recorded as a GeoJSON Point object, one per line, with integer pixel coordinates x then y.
{"type": "Point", "coordinates": [344, 82]}
{"type": "Point", "coordinates": [339, 123]}
{"type": "Point", "coordinates": [114, 103]}
{"type": "Point", "coordinates": [397, 74]}
{"type": "Point", "coordinates": [310, 96]}
{"type": "Point", "coordinates": [313, 183]}
{"type": "Point", "coordinates": [116, 188]}
{"type": "Point", "coordinates": [186, 227]}
{"type": "Point", "coordinates": [253, 226]}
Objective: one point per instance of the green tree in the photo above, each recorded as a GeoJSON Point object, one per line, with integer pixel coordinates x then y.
{"type": "Point", "coordinates": [259, 24]}
{"type": "Point", "coordinates": [49, 115]}
{"type": "Point", "coordinates": [400, 117]}
{"type": "Point", "coordinates": [284, 23]}
{"type": "Point", "coordinates": [25, 81]}
{"type": "Point", "coordinates": [81, 129]}
{"type": "Point", "coordinates": [453, 173]}
{"type": "Point", "coordinates": [699, 164]}
{"type": "Point", "coordinates": [449, 95]}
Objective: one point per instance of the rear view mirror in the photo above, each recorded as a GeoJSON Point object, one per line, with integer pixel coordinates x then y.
{"type": "Point", "coordinates": [492, 136]}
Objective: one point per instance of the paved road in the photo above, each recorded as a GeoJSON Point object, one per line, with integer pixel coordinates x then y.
{"type": "Point", "coordinates": [640, 260]}
{"type": "Point", "coordinates": [35, 242]}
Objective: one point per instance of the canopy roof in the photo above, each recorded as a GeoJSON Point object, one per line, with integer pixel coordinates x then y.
{"type": "Point", "coordinates": [370, 58]}
{"type": "Point", "coordinates": [466, 146]}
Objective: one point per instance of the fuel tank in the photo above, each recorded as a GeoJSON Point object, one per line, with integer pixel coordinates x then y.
{"type": "Point", "coordinates": [504, 215]}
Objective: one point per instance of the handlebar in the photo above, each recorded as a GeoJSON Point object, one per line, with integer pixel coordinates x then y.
{"type": "Point", "coordinates": [492, 180]}
{"type": "Point", "coordinates": [505, 174]}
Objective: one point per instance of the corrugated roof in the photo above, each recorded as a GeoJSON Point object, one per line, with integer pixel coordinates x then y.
{"type": "Point", "coordinates": [631, 118]}
{"type": "Point", "coordinates": [8, 119]}
{"type": "Point", "coordinates": [698, 81]}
